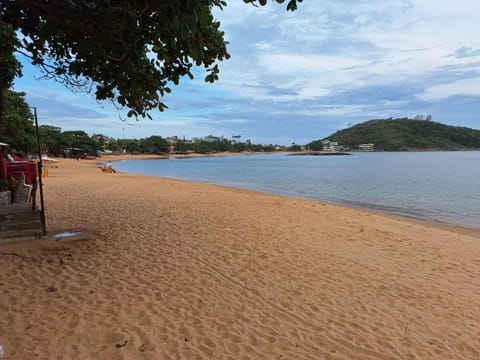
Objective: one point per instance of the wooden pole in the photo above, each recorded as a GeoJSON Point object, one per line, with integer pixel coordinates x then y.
{"type": "Point", "coordinates": [40, 183]}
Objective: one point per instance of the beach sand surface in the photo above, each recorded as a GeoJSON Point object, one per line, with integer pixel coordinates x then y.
{"type": "Point", "coordinates": [181, 270]}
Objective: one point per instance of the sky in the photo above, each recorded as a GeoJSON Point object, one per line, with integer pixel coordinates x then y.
{"type": "Point", "coordinates": [294, 77]}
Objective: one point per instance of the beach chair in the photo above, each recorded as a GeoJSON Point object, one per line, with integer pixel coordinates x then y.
{"type": "Point", "coordinates": [22, 191]}
{"type": "Point", "coordinates": [108, 169]}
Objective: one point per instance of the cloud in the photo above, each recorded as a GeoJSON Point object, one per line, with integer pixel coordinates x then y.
{"type": "Point", "coordinates": [460, 87]}
{"type": "Point", "coordinates": [53, 106]}
{"type": "Point", "coordinates": [466, 52]}
{"type": "Point", "coordinates": [299, 76]}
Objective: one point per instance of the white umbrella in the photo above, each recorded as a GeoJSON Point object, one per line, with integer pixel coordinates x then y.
{"type": "Point", "coordinates": [47, 158]}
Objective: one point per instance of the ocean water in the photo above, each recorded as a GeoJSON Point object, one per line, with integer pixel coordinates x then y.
{"type": "Point", "coordinates": [433, 186]}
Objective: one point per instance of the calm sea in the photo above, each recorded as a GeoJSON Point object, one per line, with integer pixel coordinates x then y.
{"type": "Point", "coordinates": [434, 186]}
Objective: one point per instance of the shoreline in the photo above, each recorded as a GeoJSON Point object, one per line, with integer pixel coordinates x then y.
{"type": "Point", "coordinates": [410, 217]}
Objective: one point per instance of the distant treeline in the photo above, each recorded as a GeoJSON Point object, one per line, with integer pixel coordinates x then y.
{"type": "Point", "coordinates": [56, 142]}
{"type": "Point", "coordinates": [404, 134]}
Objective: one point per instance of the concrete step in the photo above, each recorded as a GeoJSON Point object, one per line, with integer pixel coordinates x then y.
{"type": "Point", "coordinates": [20, 235]}
{"type": "Point", "coordinates": [23, 225]}
{"type": "Point", "coordinates": [18, 222]}
{"type": "Point", "coordinates": [19, 216]}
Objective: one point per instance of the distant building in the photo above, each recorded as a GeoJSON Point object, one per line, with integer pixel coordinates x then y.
{"type": "Point", "coordinates": [366, 147]}
{"type": "Point", "coordinates": [173, 140]}
{"type": "Point", "coordinates": [101, 138]}
{"type": "Point", "coordinates": [325, 146]}
{"type": "Point", "coordinates": [211, 138]}
{"type": "Point", "coordinates": [330, 145]}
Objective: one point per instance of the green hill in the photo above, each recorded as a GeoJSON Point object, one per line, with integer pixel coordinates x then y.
{"type": "Point", "coordinates": [405, 134]}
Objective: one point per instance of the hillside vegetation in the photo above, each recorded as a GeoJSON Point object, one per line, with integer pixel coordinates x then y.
{"type": "Point", "coordinates": [405, 134]}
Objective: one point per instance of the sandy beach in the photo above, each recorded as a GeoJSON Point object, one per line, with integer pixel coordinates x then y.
{"type": "Point", "coordinates": [181, 270]}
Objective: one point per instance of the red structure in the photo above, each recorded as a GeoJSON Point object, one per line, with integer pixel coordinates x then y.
{"type": "Point", "coordinates": [29, 168]}
{"type": "Point", "coordinates": [3, 161]}
{"type": "Point", "coordinates": [3, 168]}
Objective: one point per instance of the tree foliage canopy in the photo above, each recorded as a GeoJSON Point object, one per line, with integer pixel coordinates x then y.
{"type": "Point", "coordinates": [17, 129]}
{"type": "Point", "coordinates": [9, 66]}
{"type": "Point", "coordinates": [51, 139]}
{"type": "Point", "coordinates": [128, 51]}
{"type": "Point", "coordinates": [57, 142]}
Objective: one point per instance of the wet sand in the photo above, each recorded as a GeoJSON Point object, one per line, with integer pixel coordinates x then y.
{"type": "Point", "coordinates": [181, 270]}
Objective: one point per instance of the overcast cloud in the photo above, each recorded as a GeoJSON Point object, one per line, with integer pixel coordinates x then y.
{"type": "Point", "coordinates": [297, 77]}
